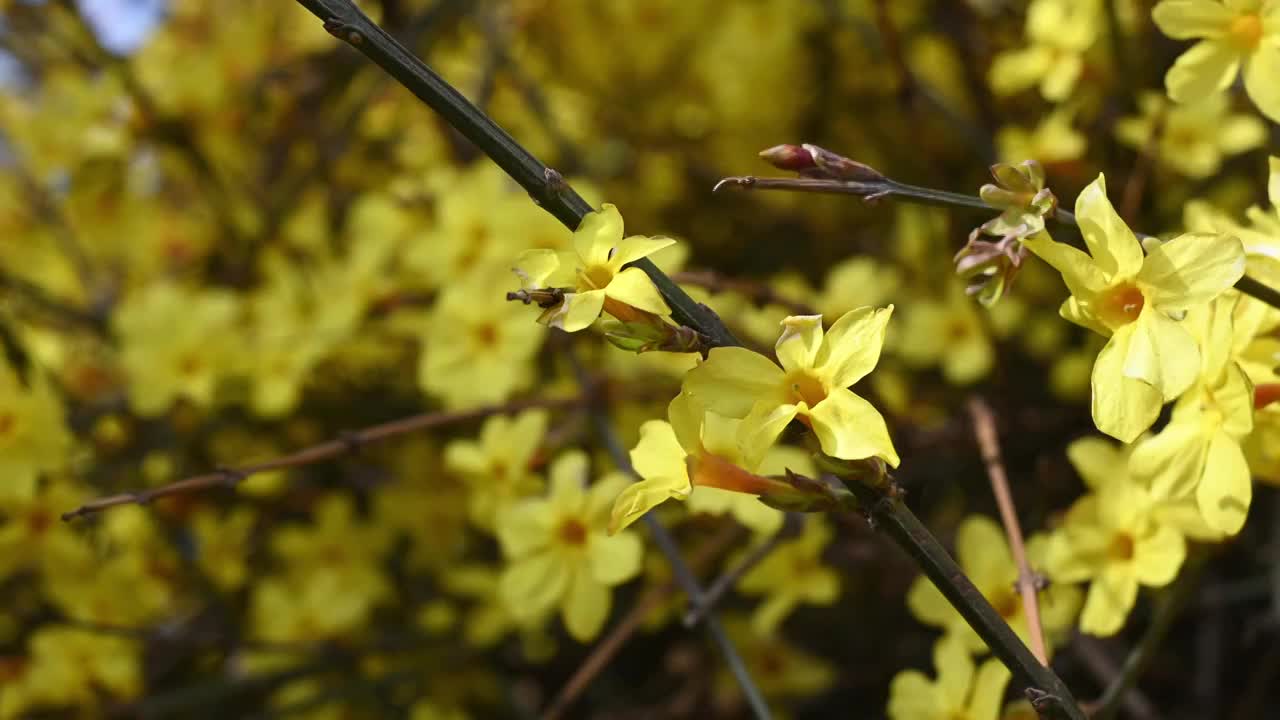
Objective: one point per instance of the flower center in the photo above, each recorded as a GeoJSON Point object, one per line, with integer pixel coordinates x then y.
{"type": "Point", "coordinates": [1246, 30]}
{"type": "Point", "coordinates": [1006, 603]}
{"type": "Point", "coordinates": [573, 532]}
{"type": "Point", "coordinates": [1121, 547]}
{"type": "Point", "coordinates": [1121, 305]}
{"type": "Point", "coordinates": [804, 387]}
{"type": "Point", "coordinates": [8, 421]}
{"type": "Point", "coordinates": [486, 334]}
{"type": "Point", "coordinates": [594, 277]}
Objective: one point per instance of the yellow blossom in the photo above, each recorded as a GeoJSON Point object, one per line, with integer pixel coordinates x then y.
{"type": "Point", "coordinates": [1193, 138]}
{"type": "Point", "coordinates": [948, 332]}
{"type": "Point", "coordinates": [983, 552]}
{"type": "Point", "coordinates": [559, 553]}
{"type": "Point", "coordinates": [791, 575]}
{"type": "Point", "coordinates": [695, 448]}
{"type": "Point", "coordinates": [70, 667]}
{"type": "Point", "coordinates": [1150, 357]}
{"type": "Point", "coordinates": [1232, 35]}
{"type": "Point", "coordinates": [496, 465]}
{"type": "Point", "coordinates": [1115, 537]}
{"type": "Point", "coordinates": [33, 431]}
{"type": "Point", "coordinates": [1052, 140]}
{"type": "Point", "coordinates": [595, 273]}
{"type": "Point", "coordinates": [1059, 33]}
{"type": "Point", "coordinates": [1198, 453]}
{"type": "Point", "coordinates": [223, 545]}
{"type": "Point", "coordinates": [960, 692]}
{"type": "Point", "coordinates": [812, 383]}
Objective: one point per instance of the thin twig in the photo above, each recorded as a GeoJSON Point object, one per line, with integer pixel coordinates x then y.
{"type": "Point", "coordinates": [603, 652]}
{"type": "Point", "coordinates": [230, 477]}
{"type": "Point", "coordinates": [984, 429]}
{"type": "Point", "coordinates": [873, 190]}
{"type": "Point", "coordinates": [1171, 603]}
{"type": "Point", "coordinates": [1103, 667]}
{"type": "Point", "coordinates": [791, 527]}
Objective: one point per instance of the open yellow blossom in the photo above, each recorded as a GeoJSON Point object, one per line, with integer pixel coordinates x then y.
{"type": "Point", "coordinates": [961, 692]}
{"type": "Point", "coordinates": [1199, 451]}
{"type": "Point", "coordinates": [792, 574]}
{"type": "Point", "coordinates": [1150, 358]}
{"type": "Point", "coordinates": [1193, 138]}
{"type": "Point", "coordinates": [694, 447]}
{"type": "Point", "coordinates": [1059, 33]}
{"type": "Point", "coordinates": [559, 553]}
{"type": "Point", "coordinates": [812, 384]}
{"type": "Point", "coordinates": [1233, 34]}
{"type": "Point", "coordinates": [983, 552]}
{"type": "Point", "coordinates": [495, 466]}
{"type": "Point", "coordinates": [1117, 537]}
{"type": "Point", "coordinates": [594, 270]}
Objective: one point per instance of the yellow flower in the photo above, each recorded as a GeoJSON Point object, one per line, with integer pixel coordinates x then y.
{"type": "Point", "coordinates": [1059, 33]}
{"type": "Point", "coordinates": [790, 575]}
{"type": "Point", "coordinates": [746, 508]}
{"type": "Point", "coordinates": [69, 667]}
{"type": "Point", "coordinates": [1194, 137]}
{"type": "Point", "coordinates": [1232, 34]}
{"type": "Point", "coordinates": [812, 383]}
{"type": "Point", "coordinates": [1150, 358]}
{"type": "Point", "coordinates": [961, 691]}
{"type": "Point", "coordinates": [33, 432]}
{"type": "Point", "coordinates": [1053, 140]}
{"type": "Point", "coordinates": [778, 667]}
{"type": "Point", "coordinates": [1199, 451]}
{"type": "Point", "coordinates": [983, 552]}
{"type": "Point", "coordinates": [946, 332]}
{"type": "Point", "coordinates": [496, 465]}
{"type": "Point", "coordinates": [595, 273]}
{"type": "Point", "coordinates": [1116, 537]}
{"type": "Point", "coordinates": [223, 545]}
{"type": "Point", "coordinates": [559, 554]}
{"type": "Point", "coordinates": [694, 448]}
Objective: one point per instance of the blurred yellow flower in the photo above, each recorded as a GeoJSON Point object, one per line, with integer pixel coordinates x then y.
{"type": "Point", "coordinates": [791, 575]}
{"type": "Point", "coordinates": [1232, 34]}
{"type": "Point", "coordinates": [33, 432]}
{"type": "Point", "coordinates": [1150, 357]}
{"type": "Point", "coordinates": [559, 553]}
{"type": "Point", "coordinates": [947, 332]}
{"type": "Point", "coordinates": [1193, 138]}
{"type": "Point", "coordinates": [1058, 33]}
{"type": "Point", "coordinates": [960, 692]}
{"type": "Point", "coordinates": [496, 465]}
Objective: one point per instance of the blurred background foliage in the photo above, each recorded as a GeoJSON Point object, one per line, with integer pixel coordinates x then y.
{"type": "Point", "coordinates": [225, 236]}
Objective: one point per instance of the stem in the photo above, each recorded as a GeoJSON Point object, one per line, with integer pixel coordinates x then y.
{"type": "Point", "coordinates": [546, 186]}
{"type": "Point", "coordinates": [887, 513]}
{"type": "Point", "coordinates": [872, 190]}
{"type": "Point", "coordinates": [347, 442]}
{"type": "Point", "coordinates": [1172, 602]}
{"type": "Point", "coordinates": [984, 428]}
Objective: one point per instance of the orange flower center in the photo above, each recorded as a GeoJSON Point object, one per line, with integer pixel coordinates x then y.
{"type": "Point", "coordinates": [1121, 547]}
{"type": "Point", "coordinates": [803, 387]}
{"type": "Point", "coordinates": [8, 421]}
{"type": "Point", "coordinates": [1246, 30]}
{"type": "Point", "coordinates": [1121, 305]}
{"type": "Point", "coordinates": [573, 532]}
{"type": "Point", "coordinates": [1006, 603]}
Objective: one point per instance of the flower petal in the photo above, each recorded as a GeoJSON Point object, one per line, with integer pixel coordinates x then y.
{"type": "Point", "coordinates": [1191, 269]}
{"type": "Point", "coordinates": [850, 428]}
{"type": "Point", "coordinates": [617, 559]}
{"type": "Point", "coordinates": [852, 345]}
{"type": "Point", "coordinates": [761, 427]}
{"type": "Point", "coordinates": [731, 380]}
{"type": "Point", "coordinates": [955, 671]}
{"type": "Point", "coordinates": [1158, 557]}
{"type": "Point", "coordinates": [1207, 68]}
{"type": "Point", "coordinates": [659, 455]}
{"type": "Point", "coordinates": [535, 268]}
{"type": "Point", "coordinates": [798, 345]}
{"type": "Point", "coordinates": [983, 551]}
{"type": "Point", "coordinates": [913, 697]}
{"type": "Point", "coordinates": [578, 311]}
{"type": "Point", "coordinates": [586, 607]}
{"type": "Point", "coordinates": [1161, 353]}
{"type": "Point", "coordinates": [988, 691]}
{"type": "Point", "coordinates": [1081, 274]}
{"type": "Point", "coordinates": [1260, 73]}
{"type": "Point", "coordinates": [1095, 460]}
{"type": "Point", "coordinates": [1122, 406]}
{"type": "Point", "coordinates": [639, 498]}
{"type": "Point", "coordinates": [633, 287]}
{"type": "Point", "coordinates": [1112, 244]}
{"type": "Point", "coordinates": [1226, 489]}
{"type": "Point", "coordinates": [636, 247]}
{"type": "Point", "coordinates": [597, 234]}
{"type": "Point", "coordinates": [1190, 19]}
{"type": "Point", "coordinates": [533, 586]}
{"type": "Point", "coordinates": [1171, 461]}
{"type": "Point", "coordinates": [1110, 598]}
{"type": "Point", "coordinates": [523, 529]}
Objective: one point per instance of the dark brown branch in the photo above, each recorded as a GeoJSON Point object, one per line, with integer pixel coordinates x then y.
{"type": "Point", "coordinates": [347, 442]}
